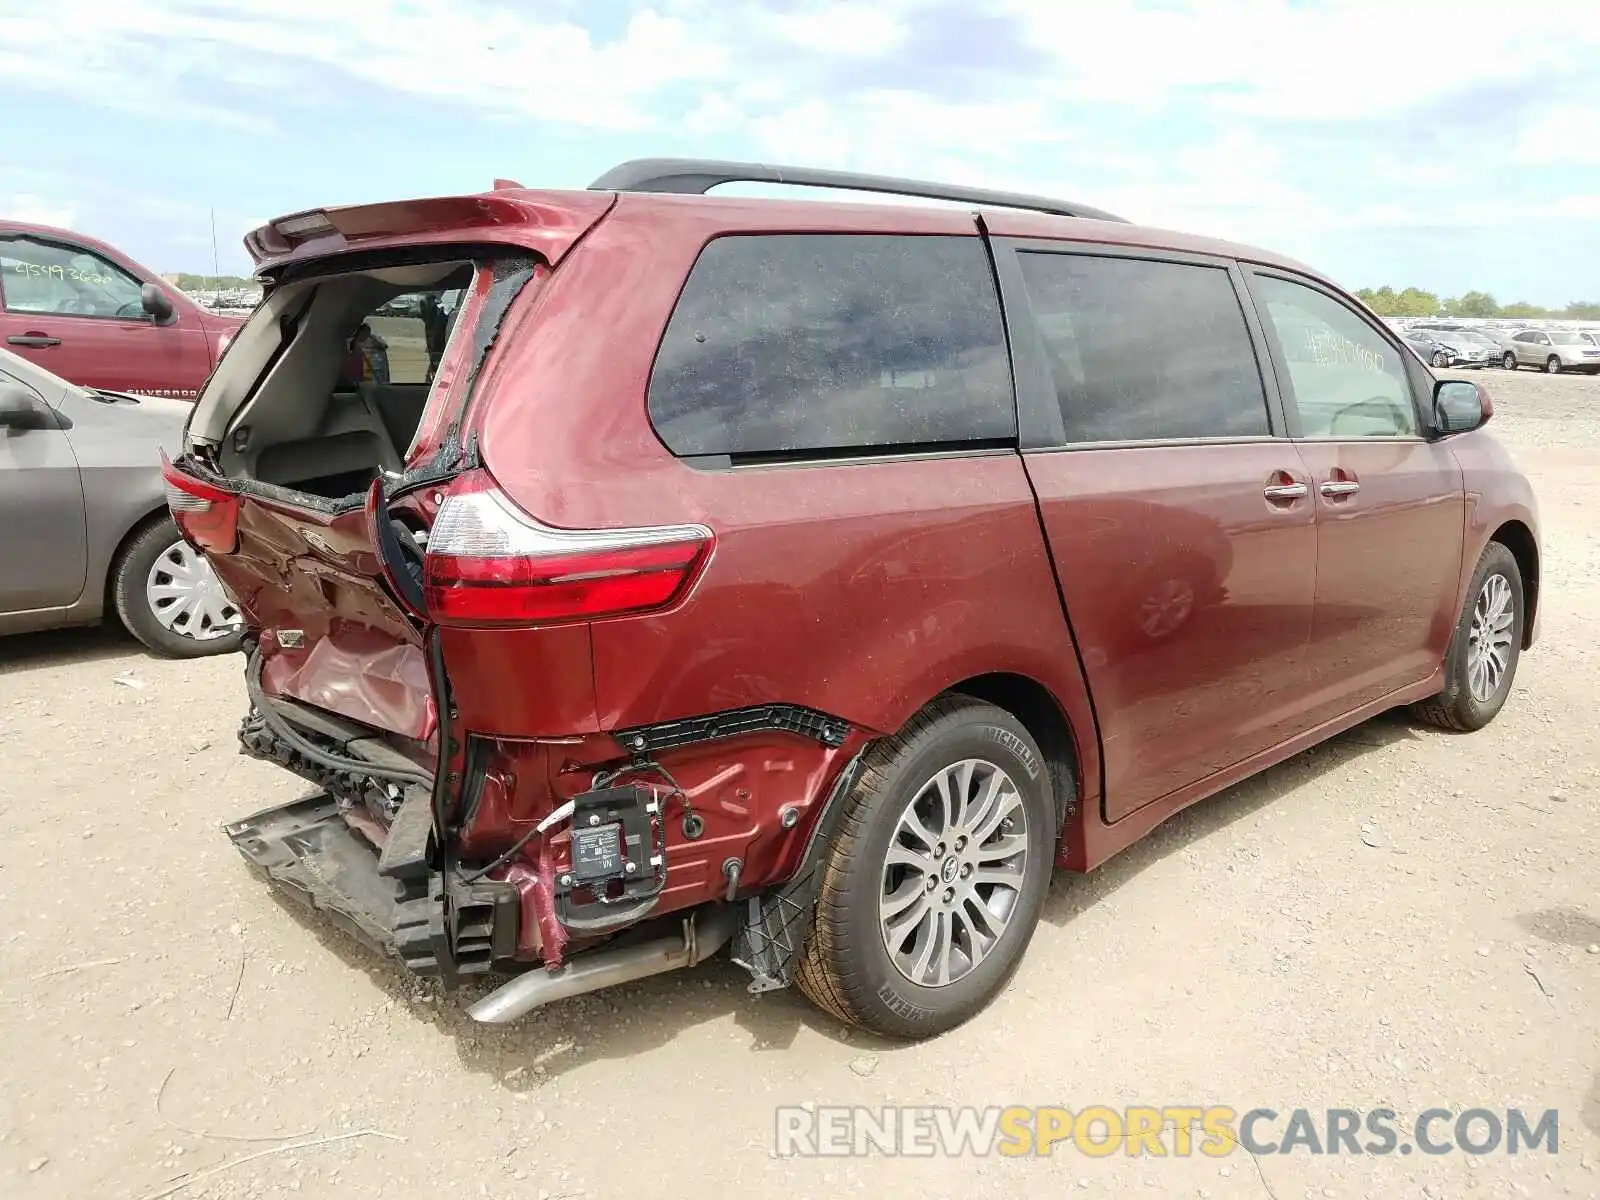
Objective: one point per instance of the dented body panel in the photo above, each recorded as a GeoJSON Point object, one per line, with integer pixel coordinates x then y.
{"type": "Point", "coordinates": [586, 776]}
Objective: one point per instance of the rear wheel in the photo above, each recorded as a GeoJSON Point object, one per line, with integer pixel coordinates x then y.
{"type": "Point", "coordinates": [1509, 361]}
{"type": "Point", "coordinates": [1552, 365]}
{"type": "Point", "coordinates": [935, 880]}
{"type": "Point", "coordinates": [169, 598]}
{"type": "Point", "coordinates": [1484, 649]}
{"type": "Point", "coordinates": [1441, 359]}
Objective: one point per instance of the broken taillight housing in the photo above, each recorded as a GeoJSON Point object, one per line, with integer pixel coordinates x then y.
{"type": "Point", "coordinates": [488, 564]}
{"type": "Point", "coordinates": [206, 515]}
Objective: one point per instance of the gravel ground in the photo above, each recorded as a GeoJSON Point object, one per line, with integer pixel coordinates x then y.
{"type": "Point", "coordinates": [1399, 918]}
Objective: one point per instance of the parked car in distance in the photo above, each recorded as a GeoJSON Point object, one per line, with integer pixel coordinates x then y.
{"type": "Point", "coordinates": [1475, 350]}
{"type": "Point", "coordinates": [820, 582]}
{"type": "Point", "coordinates": [1427, 345]}
{"type": "Point", "coordinates": [1441, 348]}
{"type": "Point", "coordinates": [91, 315]}
{"type": "Point", "coordinates": [1464, 346]}
{"type": "Point", "coordinates": [84, 523]}
{"type": "Point", "coordinates": [1552, 350]}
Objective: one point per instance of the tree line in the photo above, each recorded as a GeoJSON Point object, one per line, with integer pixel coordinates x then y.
{"type": "Point", "coordinates": [1414, 302]}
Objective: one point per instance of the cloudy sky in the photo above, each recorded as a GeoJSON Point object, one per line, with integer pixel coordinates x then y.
{"type": "Point", "coordinates": [1446, 143]}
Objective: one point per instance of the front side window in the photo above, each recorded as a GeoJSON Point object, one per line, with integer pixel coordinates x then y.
{"type": "Point", "coordinates": [786, 344]}
{"type": "Point", "coordinates": [60, 280]}
{"type": "Point", "coordinates": [1345, 378]}
{"type": "Point", "coordinates": [1143, 350]}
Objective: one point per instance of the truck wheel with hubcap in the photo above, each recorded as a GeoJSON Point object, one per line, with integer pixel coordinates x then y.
{"type": "Point", "coordinates": [935, 879]}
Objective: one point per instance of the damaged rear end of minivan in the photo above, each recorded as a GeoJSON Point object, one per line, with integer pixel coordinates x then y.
{"type": "Point", "coordinates": [419, 646]}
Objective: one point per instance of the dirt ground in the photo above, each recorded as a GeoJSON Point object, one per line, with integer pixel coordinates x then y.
{"type": "Point", "coordinates": [1400, 918]}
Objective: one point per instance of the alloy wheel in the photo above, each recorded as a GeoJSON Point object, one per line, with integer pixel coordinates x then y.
{"type": "Point", "coordinates": [954, 872]}
{"type": "Point", "coordinates": [1489, 638]}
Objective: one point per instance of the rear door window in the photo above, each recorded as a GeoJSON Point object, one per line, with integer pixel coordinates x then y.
{"type": "Point", "coordinates": [794, 344]}
{"type": "Point", "coordinates": [1143, 350]}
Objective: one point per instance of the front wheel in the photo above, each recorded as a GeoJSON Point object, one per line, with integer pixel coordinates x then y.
{"type": "Point", "coordinates": [1484, 649]}
{"type": "Point", "coordinates": [935, 880]}
{"type": "Point", "coordinates": [169, 597]}
{"type": "Point", "coordinates": [1441, 359]}
{"type": "Point", "coordinates": [1509, 361]}
{"type": "Point", "coordinates": [1552, 365]}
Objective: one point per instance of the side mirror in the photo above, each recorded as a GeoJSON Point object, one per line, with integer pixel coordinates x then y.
{"type": "Point", "coordinates": [21, 410]}
{"type": "Point", "coordinates": [156, 303]}
{"type": "Point", "coordinates": [1460, 406]}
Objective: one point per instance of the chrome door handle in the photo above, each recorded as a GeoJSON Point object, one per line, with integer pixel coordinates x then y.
{"type": "Point", "coordinates": [1284, 491]}
{"type": "Point", "coordinates": [1340, 487]}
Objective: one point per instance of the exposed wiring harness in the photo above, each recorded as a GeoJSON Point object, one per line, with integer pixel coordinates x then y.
{"type": "Point", "coordinates": [607, 778]}
{"type": "Point", "coordinates": [474, 876]}
{"type": "Point", "coordinates": [602, 779]}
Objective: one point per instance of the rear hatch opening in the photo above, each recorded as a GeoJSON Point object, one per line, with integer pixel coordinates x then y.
{"type": "Point", "coordinates": [313, 467]}
{"type": "Point", "coordinates": [327, 478]}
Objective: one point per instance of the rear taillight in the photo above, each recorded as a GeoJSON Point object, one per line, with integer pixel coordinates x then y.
{"type": "Point", "coordinates": [488, 563]}
{"type": "Point", "coordinates": [208, 516]}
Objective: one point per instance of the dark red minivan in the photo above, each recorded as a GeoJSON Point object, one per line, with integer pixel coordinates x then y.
{"type": "Point", "coordinates": [91, 315]}
{"type": "Point", "coordinates": [810, 579]}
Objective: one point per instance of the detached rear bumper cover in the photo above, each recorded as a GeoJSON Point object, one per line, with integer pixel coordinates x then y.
{"type": "Point", "coordinates": [306, 850]}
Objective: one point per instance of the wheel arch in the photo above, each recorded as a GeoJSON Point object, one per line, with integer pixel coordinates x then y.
{"type": "Point", "coordinates": [1518, 538]}
{"type": "Point", "coordinates": [135, 530]}
{"type": "Point", "coordinates": [1037, 708]}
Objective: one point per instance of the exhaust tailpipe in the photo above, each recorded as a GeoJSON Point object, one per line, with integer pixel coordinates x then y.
{"type": "Point", "coordinates": [606, 968]}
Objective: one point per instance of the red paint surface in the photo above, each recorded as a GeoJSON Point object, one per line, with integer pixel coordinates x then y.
{"type": "Point", "coordinates": [132, 354]}
{"type": "Point", "coordinates": [866, 590]}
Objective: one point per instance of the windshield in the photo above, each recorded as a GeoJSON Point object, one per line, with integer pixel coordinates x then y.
{"type": "Point", "coordinates": [1566, 337]}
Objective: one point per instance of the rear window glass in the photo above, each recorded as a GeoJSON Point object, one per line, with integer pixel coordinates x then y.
{"type": "Point", "coordinates": [402, 340]}
{"type": "Point", "coordinates": [790, 343]}
{"type": "Point", "coordinates": [1145, 350]}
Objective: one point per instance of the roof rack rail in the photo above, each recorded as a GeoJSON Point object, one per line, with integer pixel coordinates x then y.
{"type": "Point", "coordinates": [696, 176]}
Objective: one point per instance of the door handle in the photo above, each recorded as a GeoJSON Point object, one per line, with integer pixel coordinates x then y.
{"type": "Point", "coordinates": [1340, 487]}
{"type": "Point", "coordinates": [1284, 491]}
{"type": "Point", "coordinates": [32, 339]}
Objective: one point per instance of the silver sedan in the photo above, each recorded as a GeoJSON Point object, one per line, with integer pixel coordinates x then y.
{"type": "Point", "coordinates": [84, 526]}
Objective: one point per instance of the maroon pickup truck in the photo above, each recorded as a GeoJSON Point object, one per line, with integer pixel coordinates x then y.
{"type": "Point", "coordinates": [94, 317]}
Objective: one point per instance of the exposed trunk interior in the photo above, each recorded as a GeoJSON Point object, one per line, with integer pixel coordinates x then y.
{"type": "Point", "coordinates": [326, 385]}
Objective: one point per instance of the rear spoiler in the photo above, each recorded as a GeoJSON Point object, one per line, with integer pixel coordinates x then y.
{"type": "Point", "coordinates": [548, 223]}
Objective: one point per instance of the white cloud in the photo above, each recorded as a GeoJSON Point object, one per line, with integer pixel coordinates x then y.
{"type": "Point", "coordinates": [36, 210]}
{"type": "Point", "coordinates": [851, 29]}
{"type": "Point", "coordinates": [492, 59]}
{"type": "Point", "coordinates": [1336, 60]}
{"type": "Point", "coordinates": [1565, 135]}
{"type": "Point", "coordinates": [1223, 96]}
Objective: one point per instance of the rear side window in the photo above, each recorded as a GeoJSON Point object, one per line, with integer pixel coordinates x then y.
{"type": "Point", "coordinates": [797, 343]}
{"type": "Point", "coordinates": [1144, 351]}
